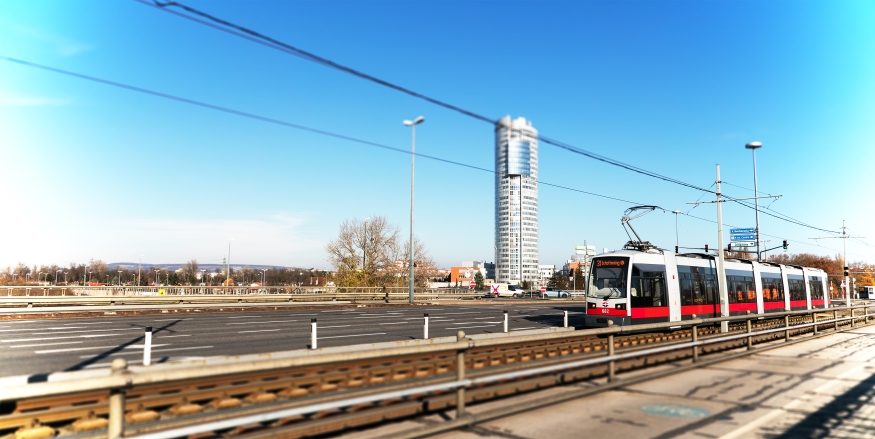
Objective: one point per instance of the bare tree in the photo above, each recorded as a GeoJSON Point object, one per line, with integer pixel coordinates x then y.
{"type": "Point", "coordinates": [191, 268]}
{"type": "Point", "coordinates": [364, 251]}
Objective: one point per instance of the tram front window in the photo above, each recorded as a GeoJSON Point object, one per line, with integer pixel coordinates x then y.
{"type": "Point", "coordinates": [608, 278]}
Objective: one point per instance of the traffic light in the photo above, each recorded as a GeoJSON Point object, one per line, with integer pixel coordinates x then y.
{"type": "Point", "coordinates": [729, 248]}
{"type": "Point", "coordinates": [571, 273]}
{"type": "Point", "coordinates": [706, 248]}
{"type": "Point", "coordinates": [676, 249]}
{"type": "Point", "coordinates": [785, 244]}
{"type": "Point", "coordinates": [846, 271]}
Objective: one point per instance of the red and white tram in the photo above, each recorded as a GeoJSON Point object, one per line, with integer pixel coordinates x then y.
{"type": "Point", "coordinates": [633, 287]}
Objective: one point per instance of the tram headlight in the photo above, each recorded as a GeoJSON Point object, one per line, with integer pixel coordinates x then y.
{"type": "Point", "coordinates": [621, 306]}
{"type": "Point", "coordinates": [590, 304]}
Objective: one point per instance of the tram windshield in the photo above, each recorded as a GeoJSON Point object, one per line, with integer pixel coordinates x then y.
{"type": "Point", "coordinates": [608, 278]}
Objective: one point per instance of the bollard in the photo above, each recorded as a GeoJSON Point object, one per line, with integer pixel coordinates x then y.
{"type": "Point", "coordinates": [787, 325]}
{"type": "Point", "coordinates": [695, 332]}
{"type": "Point", "coordinates": [852, 318]}
{"type": "Point", "coordinates": [814, 320]}
{"type": "Point", "coordinates": [425, 326]}
{"type": "Point", "coordinates": [835, 317]}
{"type": "Point", "coordinates": [460, 375]}
{"type": "Point", "coordinates": [610, 353]}
{"type": "Point", "coordinates": [505, 321]}
{"type": "Point", "coordinates": [866, 313]}
{"type": "Point", "coordinates": [116, 426]}
{"type": "Point", "coordinates": [147, 347]}
{"type": "Point", "coordinates": [565, 319]}
{"type": "Point", "coordinates": [749, 338]}
{"type": "Point", "coordinates": [312, 333]}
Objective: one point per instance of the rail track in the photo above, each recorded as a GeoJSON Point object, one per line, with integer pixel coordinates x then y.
{"type": "Point", "coordinates": [327, 392]}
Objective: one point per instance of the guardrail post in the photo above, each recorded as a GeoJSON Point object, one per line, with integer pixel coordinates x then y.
{"type": "Point", "coordinates": [116, 426]}
{"type": "Point", "coordinates": [835, 317]}
{"type": "Point", "coordinates": [866, 314]}
{"type": "Point", "coordinates": [460, 375]}
{"type": "Point", "coordinates": [695, 330]}
{"type": "Point", "coordinates": [505, 321]}
{"type": "Point", "coordinates": [425, 326]}
{"type": "Point", "coordinates": [147, 346]}
{"type": "Point", "coordinates": [787, 325]}
{"type": "Point", "coordinates": [313, 333]}
{"type": "Point", "coordinates": [852, 318]}
{"type": "Point", "coordinates": [749, 338]}
{"type": "Point", "coordinates": [814, 320]}
{"type": "Point", "coordinates": [565, 318]}
{"type": "Point", "coordinates": [610, 353]}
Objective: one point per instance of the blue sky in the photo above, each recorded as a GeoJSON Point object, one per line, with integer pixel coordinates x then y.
{"type": "Point", "coordinates": [93, 171]}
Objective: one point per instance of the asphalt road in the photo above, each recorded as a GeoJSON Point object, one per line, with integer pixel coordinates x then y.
{"type": "Point", "coordinates": [34, 347]}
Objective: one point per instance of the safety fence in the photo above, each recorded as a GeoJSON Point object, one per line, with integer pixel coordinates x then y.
{"type": "Point", "coordinates": [319, 391]}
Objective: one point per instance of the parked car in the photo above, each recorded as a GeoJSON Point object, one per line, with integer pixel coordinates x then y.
{"type": "Point", "coordinates": [532, 294]}
{"type": "Point", "coordinates": [555, 292]}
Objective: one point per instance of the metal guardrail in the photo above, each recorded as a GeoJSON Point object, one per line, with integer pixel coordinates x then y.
{"type": "Point", "coordinates": [353, 381]}
{"type": "Point", "coordinates": [109, 290]}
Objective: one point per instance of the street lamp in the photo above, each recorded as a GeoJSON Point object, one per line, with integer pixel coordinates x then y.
{"type": "Point", "coordinates": [157, 277]}
{"type": "Point", "coordinates": [753, 146]}
{"type": "Point", "coordinates": [119, 278]}
{"type": "Point", "coordinates": [263, 270]}
{"type": "Point", "coordinates": [365, 248]}
{"type": "Point", "coordinates": [229, 258]}
{"type": "Point", "coordinates": [56, 276]}
{"type": "Point", "coordinates": [676, 238]}
{"type": "Point", "coordinates": [138, 270]}
{"type": "Point", "coordinates": [412, 124]}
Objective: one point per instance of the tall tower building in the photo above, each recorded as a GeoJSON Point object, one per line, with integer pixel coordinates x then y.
{"type": "Point", "coordinates": [516, 201]}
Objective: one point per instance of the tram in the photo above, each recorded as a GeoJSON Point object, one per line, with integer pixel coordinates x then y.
{"type": "Point", "coordinates": [635, 286]}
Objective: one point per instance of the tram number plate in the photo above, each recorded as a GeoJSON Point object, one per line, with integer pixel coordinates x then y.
{"type": "Point", "coordinates": [604, 311]}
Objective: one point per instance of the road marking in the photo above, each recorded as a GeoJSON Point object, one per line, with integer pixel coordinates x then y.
{"type": "Point", "coordinates": [261, 323]}
{"type": "Point", "coordinates": [46, 344]}
{"type": "Point", "coordinates": [470, 327]}
{"type": "Point", "coordinates": [90, 323]}
{"type": "Point", "coordinates": [336, 326]}
{"type": "Point", "coordinates": [53, 351]}
{"type": "Point", "coordinates": [92, 330]}
{"type": "Point", "coordinates": [156, 350]}
{"type": "Point", "coordinates": [473, 323]}
{"type": "Point", "coordinates": [242, 317]}
{"type": "Point", "coordinates": [259, 330]}
{"type": "Point", "coordinates": [61, 338]}
{"type": "Point", "coordinates": [394, 323]}
{"type": "Point", "coordinates": [353, 335]}
{"type": "Point", "coordinates": [169, 320]}
{"type": "Point", "coordinates": [171, 336]}
{"type": "Point", "coordinates": [790, 405]}
{"type": "Point", "coordinates": [41, 329]}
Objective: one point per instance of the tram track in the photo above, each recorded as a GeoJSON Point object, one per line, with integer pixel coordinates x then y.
{"type": "Point", "coordinates": [153, 404]}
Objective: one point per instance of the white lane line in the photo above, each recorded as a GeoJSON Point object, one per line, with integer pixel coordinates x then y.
{"type": "Point", "coordinates": [261, 323]}
{"type": "Point", "coordinates": [395, 323]}
{"type": "Point", "coordinates": [169, 320]}
{"type": "Point", "coordinates": [53, 351]}
{"type": "Point", "coordinates": [93, 330]}
{"type": "Point", "coordinates": [242, 317]}
{"type": "Point", "coordinates": [156, 350]}
{"type": "Point", "coordinates": [471, 327]}
{"type": "Point", "coordinates": [45, 344]}
{"type": "Point", "coordinates": [377, 317]}
{"type": "Point", "coordinates": [259, 330]}
{"type": "Point", "coordinates": [353, 335]}
{"type": "Point", "coordinates": [60, 338]}
{"type": "Point", "coordinates": [41, 329]}
{"type": "Point", "coordinates": [477, 323]}
{"type": "Point", "coordinates": [172, 336]}
{"type": "Point", "coordinates": [336, 326]}
{"type": "Point", "coordinates": [742, 431]}
{"type": "Point", "coordinates": [481, 318]}
{"type": "Point", "coordinates": [90, 323]}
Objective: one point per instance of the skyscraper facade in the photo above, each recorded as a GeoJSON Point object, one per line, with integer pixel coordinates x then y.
{"type": "Point", "coordinates": [516, 201]}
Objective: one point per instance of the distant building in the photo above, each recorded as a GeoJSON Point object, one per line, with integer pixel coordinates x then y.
{"type": "Point", "coordinates": [516, 201]}
{"type": "Point", "coordinates": [464, 274]}
{"type": "Point", "coordinates": [545, 272]}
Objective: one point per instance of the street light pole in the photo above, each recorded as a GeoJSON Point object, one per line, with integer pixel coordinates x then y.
{"type": "Point", "coordinates": [263, 270]}
{"type": "Point", "coordinates": [412, 124]}
{"type": "Point", "coordinates": [753, 146]}
{"type": "Point", "coordinates": [229, 258]}
{"type": "Point", "coordinates": [676, 235]}
{"type": "Point", "coordinates": [138, 270]}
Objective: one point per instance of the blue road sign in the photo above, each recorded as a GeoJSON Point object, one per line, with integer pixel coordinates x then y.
{"type": "Point", "coordinates": [740, 231]}
{"type": "Point", "coordinates": [743, 237]}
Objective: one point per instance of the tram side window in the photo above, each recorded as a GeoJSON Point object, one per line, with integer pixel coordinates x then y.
{"type": "Point", "coordinates": [696, 289]}
{"type": "Point", "coordinates": [816, 287]}
{"type": "Point", "coordinates": [648, 288]}
{"type": "Point", "coordinates": [741, 289]}
{"type": "Point", "coordinates": [773, 290]}
{"type": "Point", "coordinates": [797, 289]}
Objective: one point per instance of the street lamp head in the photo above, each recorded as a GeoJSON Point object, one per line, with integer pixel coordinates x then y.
{"type": "Point", "coordinates": [416, 121]}
{"type": "Point", "coordinates": [676, 212]}
{"type": "Point", "coordinates": [754, 145]}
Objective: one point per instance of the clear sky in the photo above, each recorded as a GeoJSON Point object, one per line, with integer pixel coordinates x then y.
{"type": "Point", "coordinates": [93, 171]}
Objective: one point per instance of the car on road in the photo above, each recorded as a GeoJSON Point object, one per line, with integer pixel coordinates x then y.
{"type": "Point", "coordinates": [555, 292]}
{"type": "Point", "coordinates": [532, 294]}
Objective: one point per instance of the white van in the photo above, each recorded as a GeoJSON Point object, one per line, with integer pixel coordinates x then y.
{"type": "Point", "coordinates": [505, 290]}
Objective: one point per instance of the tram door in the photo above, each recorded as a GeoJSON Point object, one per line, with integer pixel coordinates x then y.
{"type": "Point", "coordinates": [673, 286]}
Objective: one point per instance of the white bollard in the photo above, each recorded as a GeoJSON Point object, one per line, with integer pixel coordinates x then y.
{"type": "Point", "coordinates": [505, 321]}
{"type": "Point", "coordinates": [425, 326]}
{"type": "Point", "coordinates": [147, 347]}
{"type": "Point", "coordinates": [565, 319]}
{"type": "Point", "coordinates": [312, 333]}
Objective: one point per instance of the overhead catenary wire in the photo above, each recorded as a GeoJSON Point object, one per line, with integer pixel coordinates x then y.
{"type": "Point", "coordinates": [255, 36]}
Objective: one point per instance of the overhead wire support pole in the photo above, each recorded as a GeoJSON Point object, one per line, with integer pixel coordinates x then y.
{"type": "Point", "coordinates": [844, 237]}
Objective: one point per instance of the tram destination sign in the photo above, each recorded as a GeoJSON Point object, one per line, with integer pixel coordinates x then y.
{"type": "Point", "coordinates": [743, 237]}
{"type": "Point", "coordinates": [741, 231]}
